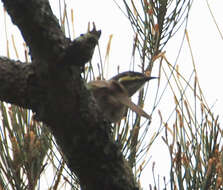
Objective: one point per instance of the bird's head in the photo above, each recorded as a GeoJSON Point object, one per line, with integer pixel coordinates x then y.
{"type": "Point", "coordinates": [132, 81]}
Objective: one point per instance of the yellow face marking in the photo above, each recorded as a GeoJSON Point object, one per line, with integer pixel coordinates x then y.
{"type": "Point", "coordinates": [128, 78]}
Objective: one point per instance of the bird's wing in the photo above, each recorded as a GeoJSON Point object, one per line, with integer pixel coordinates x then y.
{"type": "Point", "coordinates": [127, 101]}
{"type": "Point", "coordinates": [97, 84]}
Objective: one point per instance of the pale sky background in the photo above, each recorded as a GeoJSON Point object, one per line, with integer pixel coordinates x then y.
{"type": "Point", "coordinates": [205, 40]}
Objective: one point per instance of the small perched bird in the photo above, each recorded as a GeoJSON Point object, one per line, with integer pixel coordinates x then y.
{"type": "Point", "coordinates": [113, 96]}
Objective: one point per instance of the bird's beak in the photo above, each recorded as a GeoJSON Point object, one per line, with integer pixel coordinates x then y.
{"type": "Point", "coordinates": [150, 78]}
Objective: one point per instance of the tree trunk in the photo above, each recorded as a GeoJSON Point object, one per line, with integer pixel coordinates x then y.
{"type": "Point", "coordinates": [52, 87]}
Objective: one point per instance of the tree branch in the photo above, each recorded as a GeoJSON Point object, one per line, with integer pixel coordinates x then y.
{"type": "Point", "coordinates": [39, 28]}
{"type": "Point", "coordinates": [18, 84]}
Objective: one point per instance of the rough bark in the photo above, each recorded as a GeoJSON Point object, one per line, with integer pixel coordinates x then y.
{"type": "Point", "coordinates": [52, 87]}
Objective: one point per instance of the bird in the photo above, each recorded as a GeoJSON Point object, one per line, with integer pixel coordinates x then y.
{"type": "Point", "coordinates": [113, 96]}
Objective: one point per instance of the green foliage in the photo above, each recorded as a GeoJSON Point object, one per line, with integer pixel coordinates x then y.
{"type": "Point", "coordinates": [154, 24]}
{"type": "Point", "coordinates": [195, 144]}
{"type": "Point", "coordinates": [24, 144]}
